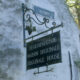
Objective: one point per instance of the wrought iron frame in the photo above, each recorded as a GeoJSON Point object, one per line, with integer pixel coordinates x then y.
{"type": "Point", "coordinates": [47, 70]}
{"type": "Point", "coordinates": [30, 19]}
{"type": "Point", "coordinates": [45, 21]}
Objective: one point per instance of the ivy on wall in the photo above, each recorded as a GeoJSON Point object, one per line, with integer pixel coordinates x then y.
{"type": "Point", "coordinates": [74, 7]}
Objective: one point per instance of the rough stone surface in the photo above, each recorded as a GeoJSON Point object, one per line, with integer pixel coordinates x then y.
{"type": "Point", "coordinates": [10, 39]}
{"type": "Point", "coordinates": [12, 52]}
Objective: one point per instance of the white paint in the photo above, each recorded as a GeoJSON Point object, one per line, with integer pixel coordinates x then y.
{"type": "Point", "coordinates": [69, 35]}
{"type": "Point", "coordinates": [11, 37]}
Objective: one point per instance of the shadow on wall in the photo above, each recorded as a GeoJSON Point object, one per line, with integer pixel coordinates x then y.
{"type": "Point", "coordinates": [10, 61]}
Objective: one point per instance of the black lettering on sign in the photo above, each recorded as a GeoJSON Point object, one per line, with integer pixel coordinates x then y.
{"type": "Point", "coordinates": [46, 50]}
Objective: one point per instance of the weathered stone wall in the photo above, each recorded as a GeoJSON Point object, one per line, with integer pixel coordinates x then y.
{"type": "Point", "coordinates": [12, 52]}
{"type": "Point", "coordinates": [11, 39]}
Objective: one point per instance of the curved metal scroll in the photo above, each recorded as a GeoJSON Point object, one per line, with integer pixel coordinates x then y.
{"type": "Point", "coordinates": [30, 28]}
{"type": "Point", "coordinates": [37, 21]}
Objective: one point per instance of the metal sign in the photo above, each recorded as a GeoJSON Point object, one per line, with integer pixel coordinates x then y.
{"type": "Point", "coordinates": [44, 12]}
{"type": "Point", "coordinates": [44, 51]}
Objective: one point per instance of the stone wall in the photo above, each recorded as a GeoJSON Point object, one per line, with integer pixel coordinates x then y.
{"type": "Point", "coordinates": [11, 39]}
{"type": "Point", "coordinates": [12, 51]}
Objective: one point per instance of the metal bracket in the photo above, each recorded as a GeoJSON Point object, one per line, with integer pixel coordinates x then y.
{"type": "Point", "coordinates": [50, 29]}
{"type": "Point", "coordinates": [30, 28]}
{"type": "Point", "coordinates": [47, 70]}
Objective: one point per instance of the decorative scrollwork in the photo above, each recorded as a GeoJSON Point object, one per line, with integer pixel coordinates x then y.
{"type": "Point", "coordinates": [27, 23]}
{"type": "Point", "coordinates": [29, 18]}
